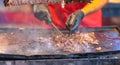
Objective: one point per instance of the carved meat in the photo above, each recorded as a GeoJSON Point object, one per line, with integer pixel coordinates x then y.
{"type": "Point", "coordinates": [76, 43]}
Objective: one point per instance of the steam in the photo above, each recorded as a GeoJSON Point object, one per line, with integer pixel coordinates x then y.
{"type": "Point", "coordinates": [28, 42]}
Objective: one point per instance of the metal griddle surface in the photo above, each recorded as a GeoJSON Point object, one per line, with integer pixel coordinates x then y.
{"type": "Point", "coordinates": [25, 41]}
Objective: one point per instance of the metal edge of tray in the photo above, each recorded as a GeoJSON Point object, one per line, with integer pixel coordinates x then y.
{"type": "Point", "coordinates": [104, 28]}
{"type": "Point", "coordinates": [95, 55]}
{"type": "Point", "coordinates": [12, 57]}
{"type": "Point", "coordinates": [87, 28]}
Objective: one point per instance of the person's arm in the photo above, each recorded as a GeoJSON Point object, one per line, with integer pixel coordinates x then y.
{"type": "Point", "coordinates": [75, 18]}
{"type": "Point", "coordinates": [93, 6]}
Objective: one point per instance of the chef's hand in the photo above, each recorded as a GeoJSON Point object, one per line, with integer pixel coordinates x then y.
{"type": "Point", "coordinates": [41, 12]}
{"type": "Point", "coordinates": [74, 20]}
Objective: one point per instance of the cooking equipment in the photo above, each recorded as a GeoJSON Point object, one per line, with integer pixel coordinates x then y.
{"type": "Point", "coordinates": [56, 29]}
{"type": "Point", "coordinates": [24, 46]}
{"type": "Point", "coordinates": [110, 57]}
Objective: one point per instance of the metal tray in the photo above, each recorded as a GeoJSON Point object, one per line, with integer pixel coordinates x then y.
{"type": "Point", "coordinates": [109, 50]}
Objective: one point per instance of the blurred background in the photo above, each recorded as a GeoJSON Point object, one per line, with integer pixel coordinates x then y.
{"type": "Point", "coordinates": [111, 14]}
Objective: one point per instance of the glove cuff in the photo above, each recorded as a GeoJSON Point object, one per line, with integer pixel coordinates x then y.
{"type": "Point", "coordinates": [80, 14]}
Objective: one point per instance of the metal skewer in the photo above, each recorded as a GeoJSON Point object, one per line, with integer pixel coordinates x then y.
{"type": "Point", "coordinates": [56, 29]}
{"type": "Point", "coordinates": [70, 31]}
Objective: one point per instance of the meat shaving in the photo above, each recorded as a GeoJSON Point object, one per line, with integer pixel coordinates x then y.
{"type": "Point", "coordinates": [75, 42]}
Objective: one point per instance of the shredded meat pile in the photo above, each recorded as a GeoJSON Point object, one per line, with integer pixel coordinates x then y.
{"type": "Point", "coordinates": [76, 42]}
